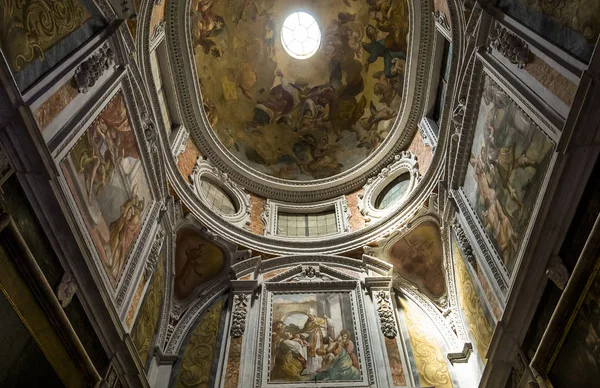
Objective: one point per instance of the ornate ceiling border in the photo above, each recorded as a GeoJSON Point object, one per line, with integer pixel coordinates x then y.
{"type": "Point", "coordinates": [336, 244]}
{"type": "Point", "coordinates": [181, 57]}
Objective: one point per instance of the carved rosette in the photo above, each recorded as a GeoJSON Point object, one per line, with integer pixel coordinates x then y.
{"type": "Point", "coordinates": [509, 46]}
{"type": "Point", "coordinates": [386, 315]}
{"type": "Point", "coordinates": [90, 71]}
{"type": "Point", "coordinates": [238, 318]}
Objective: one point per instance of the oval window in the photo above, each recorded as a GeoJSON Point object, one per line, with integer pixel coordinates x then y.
{"type": "Point", "coordinates": [216, 198]}
{"type": "Point", "coordinates": [393, 192]}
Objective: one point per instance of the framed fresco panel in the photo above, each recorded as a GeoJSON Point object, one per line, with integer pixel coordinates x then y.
{"type": "Point", "coordinates": [507, 170]}
{"type": "Point", "coordinates": [313, 334]}
{"type": "Point", "coordinates": [105, 176]}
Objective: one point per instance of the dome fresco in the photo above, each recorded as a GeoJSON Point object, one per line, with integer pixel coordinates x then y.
{"type": "Point", "coordinates": [300, 119]}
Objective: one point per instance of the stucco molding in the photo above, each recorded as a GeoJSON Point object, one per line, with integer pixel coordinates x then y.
{"type": "Point", "coordinates": [404, 163]}
{"type": "Point", "coordinates": [241, 199]}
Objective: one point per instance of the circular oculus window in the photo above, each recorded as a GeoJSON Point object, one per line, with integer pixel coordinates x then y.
{"type": "Point", "coordinates": [300, 35]}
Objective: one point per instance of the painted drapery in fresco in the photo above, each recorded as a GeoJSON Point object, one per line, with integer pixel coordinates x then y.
{"type": "Point", "coordinates": [197, 359]}
{"type": "Point", "coordinates": [508, 163]}
{"type": "Point", "coordinates": [312, 338]}
{"type": "Point", "coordinates": [106, 177]}
{"type": "Point", "coordinates": [29, 28]}
{"type": "Point", "coordinates": [147, 320]}
{"type": "Point", "coordinates": [301, 119]}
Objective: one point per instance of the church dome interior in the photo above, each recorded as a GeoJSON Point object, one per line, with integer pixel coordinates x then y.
{"type": "Point", "coordinates": [299, 193]}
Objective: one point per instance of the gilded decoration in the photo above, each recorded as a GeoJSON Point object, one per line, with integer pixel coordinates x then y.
{"type": "Point", "coordinates": [582, 16]}
{"type": "Point", "coordinates": [52, 107]}
{"type": "Point", "coordinates": [429, 357]}
{"type": "Point", "coordinates": [477, 321]}
{"type": "Point", "coordinates": [30, 27]}
{"type": "Point", "coordinates": [301, 119]}
{"type": "Point", "coordinates": [148, 316]}
{"type": "Point", "coordinates": [197, 359]}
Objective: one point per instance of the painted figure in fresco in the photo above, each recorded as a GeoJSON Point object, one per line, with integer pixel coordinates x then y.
{"type": "Point", "coordinates": [313, 329]}
{"type": "Point", "coordinates": [507, 169]}
{"type": "Point", "coordinates": [97, 162]}
{"type": "Point", "coordinates": [378, 49]}
{"type": "Point", "coordinates": [289, 362]}
{"type": "Point", "coordinates": [340, 361]}
{"type": "Point", "coordinates": [193, 263]}
{"type": "Point", "coordinates": [123, 231]}
{"type": "Point", "coordinates": [206, 26]}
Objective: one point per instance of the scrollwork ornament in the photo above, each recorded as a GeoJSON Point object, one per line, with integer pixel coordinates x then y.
{"type": "Point", "coordinates": [386, 315]}
{"type": "Point", "coordinates": [238, 318]}
{"type": "Point", "coordinates": [441, 19]}
{"type": "Point", "coordinates": [29, 28]}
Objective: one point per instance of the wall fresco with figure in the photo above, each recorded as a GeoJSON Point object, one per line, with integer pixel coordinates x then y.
{"type": "Point", "coordinates": [418, 257]}
{"type": "Point", "coordinates": [107, 180]}
{"type": "Point", "coordinates": [313, 338]}
{"type": "Point", "coordinates": [508, 163]}
{"type": "Point", "coordinates": [301, 119]}
{"type": "Point", "coordinates": [197, 261]}
{"type": "Point", "coordinates": [571, 24]}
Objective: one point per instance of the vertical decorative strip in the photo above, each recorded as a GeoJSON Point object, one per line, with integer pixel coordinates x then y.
{"type": "Point", "coordinates": [479, 326]}
{"type": "Point", "coordinates": [232, 374]}
{"type": "Point", "coordinates": [395, 360]}
{"type": "Point", "coordinates": [429, 357]}
{"type": "Point", "coordinates": [197, 359]}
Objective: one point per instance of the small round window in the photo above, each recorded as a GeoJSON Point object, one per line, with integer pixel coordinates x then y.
{"type": "Point", "coordinates": [216, 198]}
{"type": "Point", "coordinates": [300, 35]}
{"type": "Point", "coordinates": [393, 192]}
